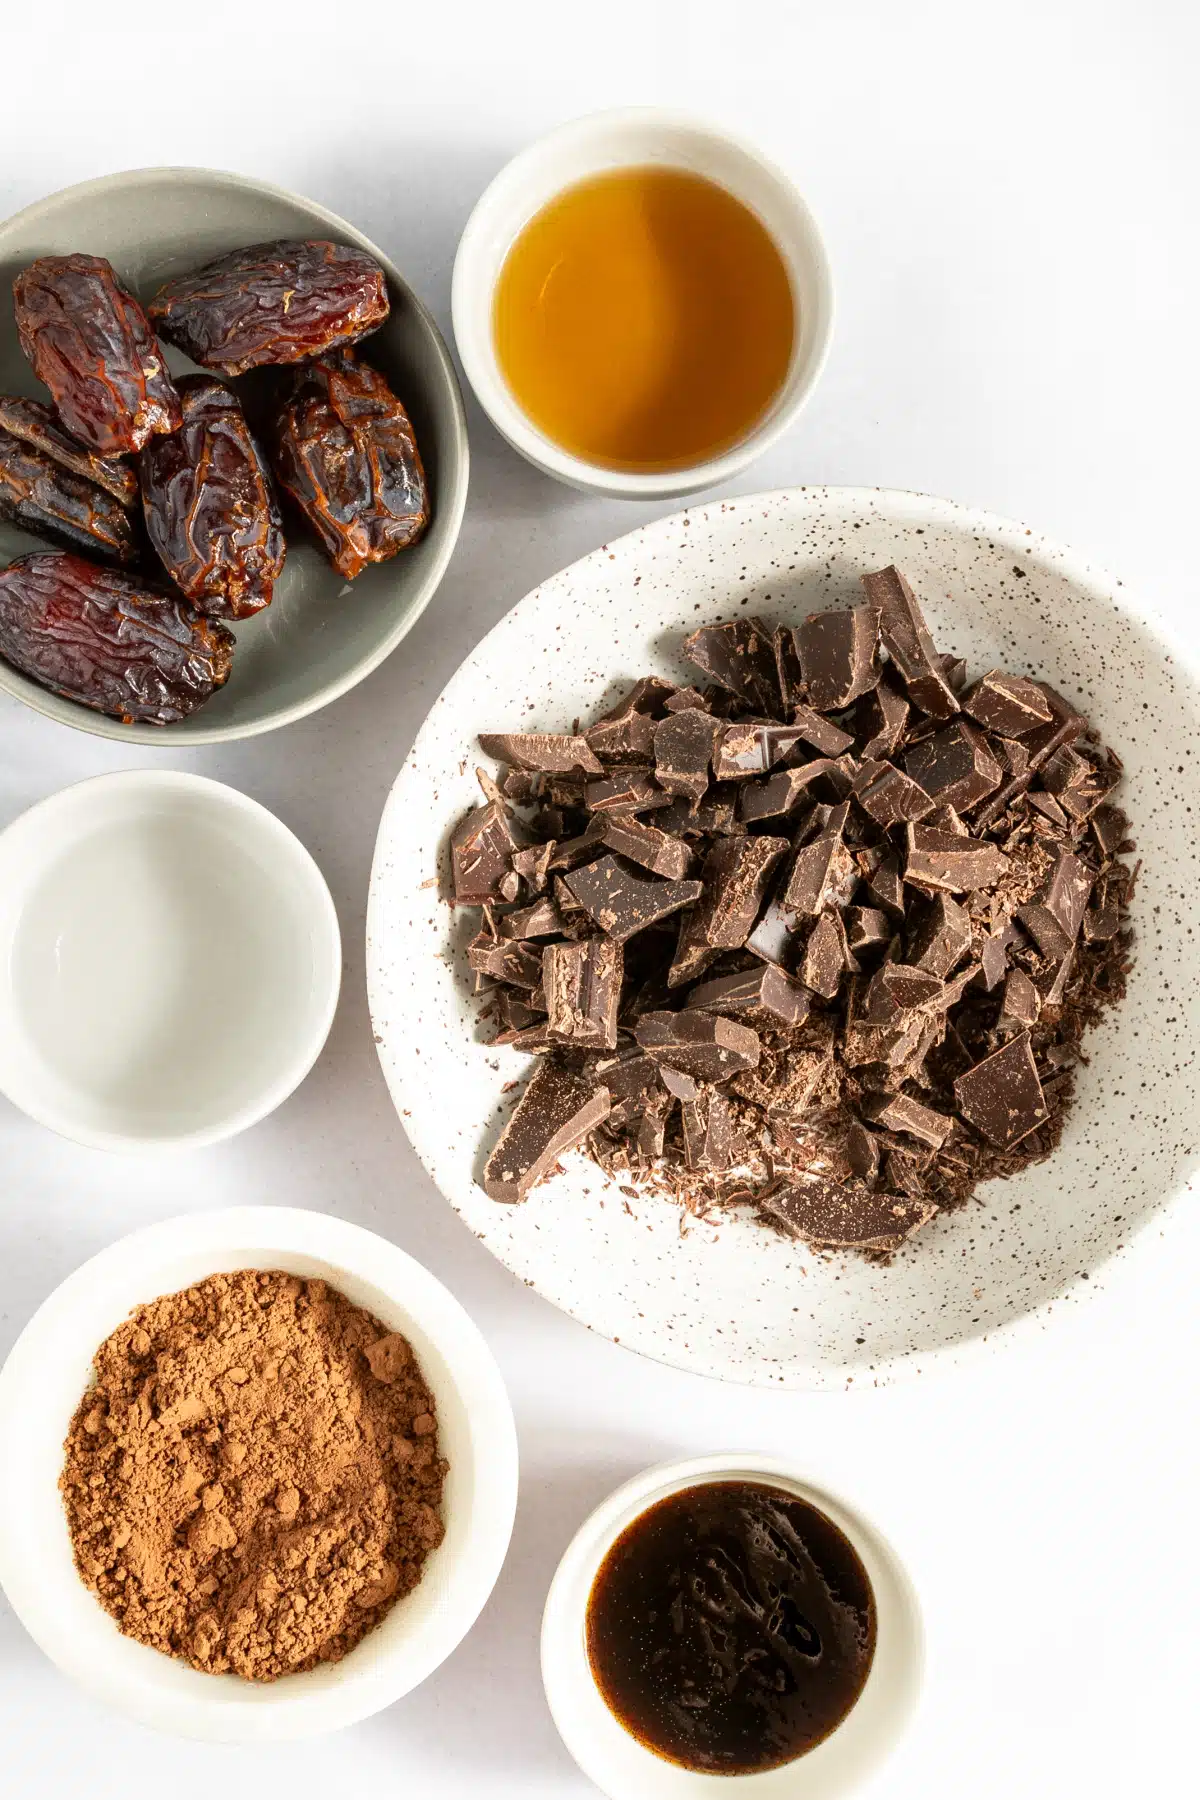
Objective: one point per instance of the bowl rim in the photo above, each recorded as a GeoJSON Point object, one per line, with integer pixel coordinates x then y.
{"type": "Point", "coordinates": [1078, 1288]}
{"type": "Point", "coordinates": [565, 1611]}
{"type": "Point", "coordinates": [289, 1708]}
{"type": "Point", "coordinates": [322, 917]}
{"type": "Point", "coordinates": [471, 316]}
{"type": "Point", "coordinates": [451, 507]}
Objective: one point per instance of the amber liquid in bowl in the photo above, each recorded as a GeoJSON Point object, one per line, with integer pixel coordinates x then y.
{"type": "Point", "coordinates": [644, 319]}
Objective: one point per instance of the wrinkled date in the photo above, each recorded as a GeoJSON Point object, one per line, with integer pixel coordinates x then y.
{"type": "Point", "coordinates": [36, 423]}
{"type": "Point", "coordinates": [89, 341]}
{"type": "Point", "coordinates": [108, 640]}
{"type": "Point", "coordinates": [272, 303]}
{"type": "Point", "coordinates": [345, 453]}
{"type": "Point", "coordinates": [39, 496]}
{"type": "Point", "coordinates": [210, 509]}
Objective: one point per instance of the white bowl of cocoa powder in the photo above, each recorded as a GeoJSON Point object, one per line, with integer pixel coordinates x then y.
{"type": "Point", "coordinates": [258, 1473]}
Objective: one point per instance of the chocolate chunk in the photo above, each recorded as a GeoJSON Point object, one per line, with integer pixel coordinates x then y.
{"type": "Point", "coordinates": [845, 1215]}
{"type": "Point", "coordinates": [954, 668]}
{"type": "Point", "coordinates": [822, 733]}
{"type": "Point", "coordinates": [1048, 806]}
{"type": "Point", "coordinates": [895, 989]}
{"type": "Point", "coordinates": [741, 749]}
{"type": "Point", "coordinates": [714, 816]}
{"type": "Point", "coordinates": [1002, 1095]}
{"type": "Point", "coordinates": [839, 654]}
{"type": "Point", "coordinates": [994, 954]}
{"type": "Point", "coordinates": [863, 1153]}
{"type": "Point", "coordinates": [1110, 828]}
{"type": "Point", "coordinates": [515, 1012]}
{"type": "Point", "coordinates": [1101, 924]}
{"type": "Point", "coordinates": [735, 875]}
{"type": "Point", "coordinates": [824, 961]}
{"type": "Point", "coordinates": [1053, 989]}
{"type": "Point", "coordinates": [1022, 1004]}
{"type": "Point", "coordinates": [784, 792]}
{"type": "Point", "coordinates": [938, 859]}
{"type": "Point", "coordinates": [626, 732]}
{"type": "Point", "coordinates": [764, 996]}
{"type": "Point", "coordinates": [555, 1113]}
{"type": "Point", "coordinates": [547, 751]}
{"type": "Point", "coordinates": [682, 698]}
{"type": "Point", "coordinates": [542, 919]}
{"type": "Point", "coordinates": [885, 886]}
{"type": "Point", "coordinates": [867, 928]}
{"type": "Point", "coordinates": [707, 1132]}
{"type": "Point", "coordinates": [623, 902]}
{"type": "Point", "coordinates": [583, 987]}
{"type": "Point", "coordinates": [1065, 727]}
{"type": "Point", "coordinates": [677, 1084]}
{"type": "Point", "coordinates": [955, 767]}
{"type": "Point", "coordinates": [823, 874]}
{"type": "Point", "coordinates": [1054, 918]}
{"type": "Point", "coordinates": [570, 852]}
{"type": "Point", "coordinates": [942, 936]}
{"type": "Point", "coordinates": [899, 1112]}
{"type": "Point", "coordinates": [1009, 704]}
{"type": "Point", "coordinates": [652, 849]}
{"type": "Point", "coordinates": [632, 1080]}
{"type": "Point", "coordinates": [889, 796]}
{"type": "Point", "coordinates": [480, 848]}
{"type": "Point", "coordinates": [518, 964]}
{"type": "Point", "coordinates": [907, 641]}
{"type": "Point", "coordinates": [629, 790]}
{"type": "Point", "coordinates": [651, 1134]}
{"type": "Point", "coordinates": [774, 936]}
{"type": "Point", "coordinates": [683, 748]}
{"type": "Point", "coordinates": [1079, 786]}
{"type": "Point", "coordinates": [533, 864]}
{"type": "Point", "coordinates": [788, 672]}
{"type": "Point", "coordinates": [741, 658]}
{"type": "Point", "coordinates": [885, 714]}
{"type": "Point", "coordinates": [702, 1045]}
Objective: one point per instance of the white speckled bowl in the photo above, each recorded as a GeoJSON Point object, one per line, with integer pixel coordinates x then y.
{"type": "Point", "coordinates": [734, 1301]}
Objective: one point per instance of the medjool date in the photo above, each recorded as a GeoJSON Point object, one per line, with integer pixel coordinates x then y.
{"type": "Point", "coordinates": [36, 423]}
{"type": "Point", "coordinates": [345, 453]}
{"type": "Point", "coordinates": [89, 341]}
{"type": "Point", "coordinates": [210, 509]}
{"type": "Point", "coordinates": [272, 303]}
{"type": "Point", "coordinates": [39, 496]}
{"type": "Point", "coordinates": [109, 640]}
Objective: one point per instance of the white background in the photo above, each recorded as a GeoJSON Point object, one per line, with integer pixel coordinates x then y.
{"type": "Point", "coordinates": [1010, 197]}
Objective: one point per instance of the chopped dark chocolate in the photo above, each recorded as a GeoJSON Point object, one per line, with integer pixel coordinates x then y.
{"type": "Point", "coordinates": [889, 795]}
{"type": "Point", "coordinates": [1008, 704]}
{"type": "Point", "coordinates": [839, 655]}
{"type": "Point", "coordinates": [942, 936]}
{"type": "Point", "coordinates": [703, 1045]}
{"type": "Point", "coordinates": [1002, 1095]}
{"type": "Point", "coordinates": [548, 752]}
{"type": "Point", "coordinates": [623, 902]}
{"type": "Point", "coordinates": [885, 714]}
{"type": "Point", "coordinates": [763, 996]}
{"type": "Point", "coordinates": [1021, 1004]}
{"type": "Point", "coordinates": [824, 961]}
{"type": "Point", "coordinates": [707, 1131]}
{"type": "Point", "coordinates": [775, 796]}
{"type": "Point", "coordinates": [867, 928]}
{"type": "Point", "coordinates": [583, 990]}
{"type": "Point", "coordinates": [844, 1215]}
{"type": "Point", "coordinates": [823, 873]}
{"type": "Point", "coordinates": [652, 849]}
{"type": "Point", "coordinates": [683, 748]}
{"type": "Point", "coordinates": [955, 767]}
{"type": "Point", "coordinates": [741, 658]}
{"type": "Point", "coordinates": [741, 749]}
{"type": "Point", "coordinates": [1054, 918]}
{"type": "Point", "coordinates": [532, 864]}
{"type": "Point", "coordinates": [900, 1112]}
{"type": "Point", "coordinates": [907, 641]}
{"type": "Point", "coordinates": [629, 790]}
{"type": "Point", "coordinates": [555, 1113]}
{"type": "Point", "coordinates": [885, 886]}
{"type": "Point", "coordinates": [520, 965]}
{"type": "Point", "coordinates": [1110, 828]}
{"type": "Point", "coordinates": [542, 919]}
{"type": "Point", "coordinates": [480, 848]}
{"type": "Point", "coordinates": [863, 1153]}
{"type": "Point", "coordinates": [734, 880]}
{"type": "Point", "coordinates": [939, 859]}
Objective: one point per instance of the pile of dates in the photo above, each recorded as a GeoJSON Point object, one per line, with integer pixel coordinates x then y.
{"type": "Point", "coordinates": [156, 552]}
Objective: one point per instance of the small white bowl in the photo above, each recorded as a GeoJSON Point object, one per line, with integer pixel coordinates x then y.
{"type": "Point", "coordinates": [630, 137]}
{"type": "Point", "coordinates": [49, 1369]}
{"type": "Point", "coordinates": [625, 1769]}
{"type": "Point", "coordinates": [169, 961]}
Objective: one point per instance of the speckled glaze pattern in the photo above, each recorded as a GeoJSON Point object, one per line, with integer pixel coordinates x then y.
{"type": "Point", "coordinates": [732, 1300]}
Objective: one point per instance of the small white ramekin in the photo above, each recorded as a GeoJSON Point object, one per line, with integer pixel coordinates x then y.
{"type": "Point", "coordinates": [625, 1769]}
{"type": "Point", "coordinates": [182, 1017]}
{"type": "Point", "coordinates": [628, 137]}
{"type": "Point", "coordinates": [49, 1369]}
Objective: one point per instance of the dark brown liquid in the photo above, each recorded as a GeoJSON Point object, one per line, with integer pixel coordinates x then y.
{"type": "Point", "coordinates": [731, 1627]}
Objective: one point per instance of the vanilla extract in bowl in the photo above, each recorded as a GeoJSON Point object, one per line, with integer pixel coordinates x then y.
{"type": "Point", "coordinates": [731, 1627]}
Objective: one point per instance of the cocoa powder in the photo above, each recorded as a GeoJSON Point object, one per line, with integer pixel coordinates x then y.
{"type": "Point", "coordinates": [254, 1480]}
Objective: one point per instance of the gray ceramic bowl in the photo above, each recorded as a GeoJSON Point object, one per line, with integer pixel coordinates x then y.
{"type": "Point", "coordinates": [320, 635]}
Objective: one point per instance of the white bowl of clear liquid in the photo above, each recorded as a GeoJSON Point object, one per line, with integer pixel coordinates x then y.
{"type": "Point", "coordinates": [169, 961]}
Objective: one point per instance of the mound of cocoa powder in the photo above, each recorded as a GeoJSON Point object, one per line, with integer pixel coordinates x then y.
{"type": "Point", "coordinates": [254, 1480]}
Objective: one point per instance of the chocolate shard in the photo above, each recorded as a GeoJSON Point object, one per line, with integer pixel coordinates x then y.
{"type": "Point", "coordinates": [1009, 704]}
{"type": "Point", "coordinates": [1053, 920]}
{"type": "Point", "coordinates": [900, 1112]}
{"type": "Point", "coordinates": [683, 749]}
{"type": "Point", "coordinates": [542, 919]}
{"type": "Point", "coordinates": [896, 989]}
{"type": "Point", "coordinates": [677, 1084]}
{"type": "Point", "coordinates": [741, 749]}
{"type": "Point", "coordinates": [824, 961]}
{"type": "Point", "coordinates": [1079, 785]}
{"type": "Point", "coordinates": [532, 864]}
{"type": "Point", "coordinates": [515, 1013]}
{"type": "Point", "coordinates": [739, 657]}
{"type": "Point", "coordinates": [555, 1113]}
{"type": "Point", "coordinates": [1066, 727]}
{"type": "Point", "coordinates": [885, 886]}
{"type": "Point", "coordinates": [1002, 1095]}
{"type": "Point", "coordinates": [704, 1045]}
{"type": "Point", "coordinates": [655, 850]}
{"type": "Point", "coordinates": [1110, 828]}
{"type": "Point", "coordinates": [994, 953]}
{"type": "Point", "coordinates": [1053, 988]}
{"type": "Point", "coordinates": [884, 713]}
{"type": "Point", "coordinates": [774, 936]}
{"type": "Point", "coordinates": [907, 641]}
{"type": "Point", "coordinates": [583, 987]}
{"type": "Point", "coordinates": [832, 1215]}
{"type": "Point", "coordinates": [518, 964]}
{"type": "Point", "coordinates": [625, 733]}
{"type": "Point", "coordinates": [682, 698]}
{"type": "Point", "coordinates": [863, 1153]}
{"type": "Point", "coordinates": [867, 928]}
{"type": "Point", "coordinates": [652, 1134]}
{"type": "Point", "coordinates": [954, 668]}
{"type": "Point", "coordinates": [942, 936]}
{"type": "Point", "coordinates": [938, 859]}
{"type": "Point", "coordinates": [570, 852]}
{"type": "Point", "coordinates": [788, 672]}
{"type": "Point", "coordinates": [632, 789]}
{"type": "Point", "coordinates": [775, 796]}
{"type": "Point", "coordinates": [839, 654]}
{"type": "Point", "coordinates": [763, 996]}
{"type": "Point", "coordinates": [549, 752]}
{"type": "Point", "coordinates": [823, 874]}
{"type": "Point", "coordinates": [707, 1132]}
{"type": "Point", "coordinates": [889, 796]}
{"type": "Point", "coordinates": [632, 1080]}
{"type": "Point", "coordinates": [714, 816]}
{"type": "Point", "coordinates": [1022, 1004]}
{"type": "Point", "coordinates": [813, 728]}
{"type": "Point", "coordinates": [955, 767]}
{"type": "Point", "coordinates": [735, 875]}
{"type": "Point", "coordinates": [623, 902]}
{"type": "Point", "coordinates": [480, 849]}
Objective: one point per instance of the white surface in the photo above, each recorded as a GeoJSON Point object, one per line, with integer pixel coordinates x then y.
{"type": "Point", "coordinates": [836, 1767]}
{"type": "Point", "coordinates": [629, 137]}
{"type": "Point", "coordinates": [1009, 202]}
{"type": "Point", "coordinates": [170, 961]}
{"type": "Point", "coordinates": [41, 1387]}
{"type": "Point", "coordinates": [727, 1298]}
